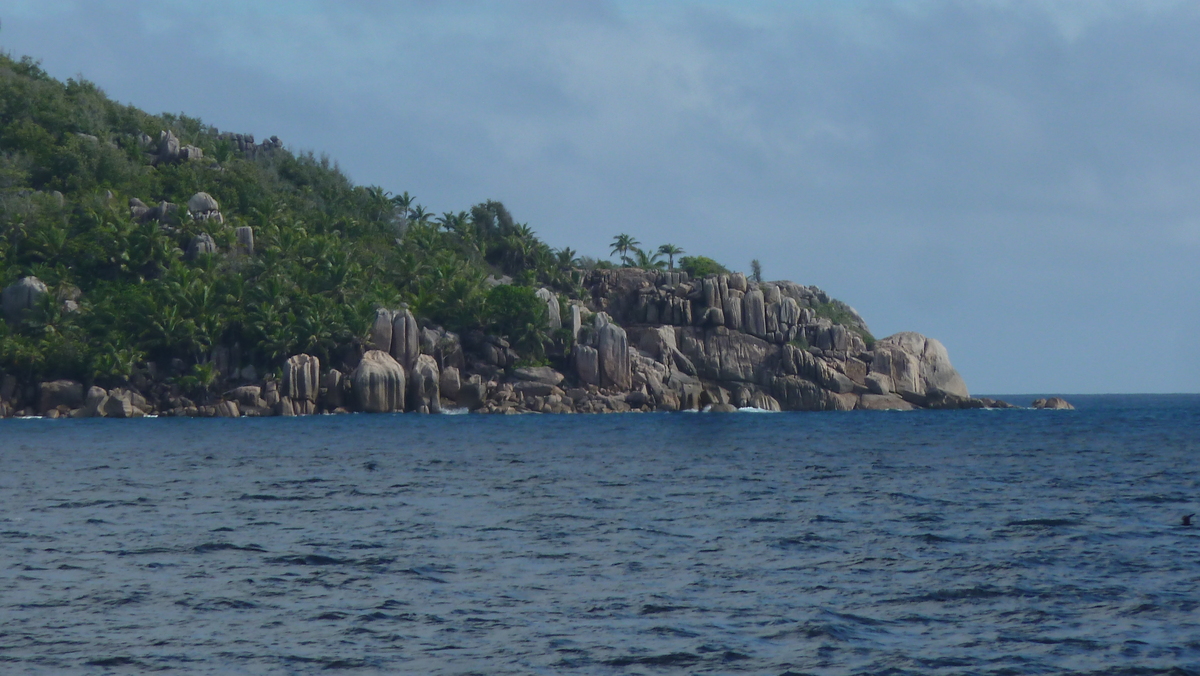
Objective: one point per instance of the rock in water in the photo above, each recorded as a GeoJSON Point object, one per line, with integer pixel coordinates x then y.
{"type": "Point", "coordinates": [57, 393]}
{"type": "Point", "coordinates": [20, 296]}
{"type": "Point", "coordinates": [378, 383]}
{"type": "Point", "coordinates": [424, 384]}
{"type": "Point", "coordinates": [302, 378]}
{"type": "Point", "coordinates": [450, 383]}
{"type": "Point", "coordinates": [918, 366]}
{"type": "Point", "coordinates": [1054, 403]}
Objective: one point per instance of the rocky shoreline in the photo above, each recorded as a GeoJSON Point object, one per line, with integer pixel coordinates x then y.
{"type": "Point", "coordinates": [644, 340]}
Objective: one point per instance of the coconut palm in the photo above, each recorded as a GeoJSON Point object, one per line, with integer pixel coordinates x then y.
{"type": "Point", "coordinates": [670, 251]}
{"type": "Point", "coordinates": [622, 244]}
{"type": "Point", "coordinates": [645, 260]}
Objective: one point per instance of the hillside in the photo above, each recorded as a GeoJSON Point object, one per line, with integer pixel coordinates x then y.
{"type": "Point", "coordinates": [155, 264]}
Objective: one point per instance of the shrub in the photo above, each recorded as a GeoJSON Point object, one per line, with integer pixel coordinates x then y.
{"type": "Point", "coordinates": [701, 266]}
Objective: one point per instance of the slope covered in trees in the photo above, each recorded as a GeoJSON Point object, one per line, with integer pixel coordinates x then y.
{"type": "Point", "coordinates": [327, 252]}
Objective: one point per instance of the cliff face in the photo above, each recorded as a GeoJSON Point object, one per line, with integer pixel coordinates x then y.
{"type": "Point", "coordinates": [640, 340]}
{"type": "Point", "coordinates": [726, 341]}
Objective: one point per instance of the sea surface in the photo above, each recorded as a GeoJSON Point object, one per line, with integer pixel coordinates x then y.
{"type": "Point", "coordinates": [934, 542]}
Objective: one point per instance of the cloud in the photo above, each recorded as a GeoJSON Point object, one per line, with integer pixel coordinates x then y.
{"type": "Point", "coordinates": [1018, 179]}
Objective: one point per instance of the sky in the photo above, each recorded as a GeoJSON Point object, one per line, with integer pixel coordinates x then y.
{"type": "Point", "coordinates": [1020, 180]}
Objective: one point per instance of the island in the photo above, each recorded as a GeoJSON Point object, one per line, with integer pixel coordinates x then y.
{"type": "Point", "coordinates": [156, 265]}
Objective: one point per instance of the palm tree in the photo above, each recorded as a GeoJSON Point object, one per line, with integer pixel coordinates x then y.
{"type": "Point", "coordinates": [645, 261]}
{"type": "Point", "coordinates": [403, 202]}
{"type": "Point", "coordinates": [670, 251]}
{"type": "Point", "coordinates": [622, 244]}
{"type": "Point", "coordinates": [419, 214]}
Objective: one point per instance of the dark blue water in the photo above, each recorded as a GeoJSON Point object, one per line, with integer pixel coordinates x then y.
{"type": "Point", "coordinates": [965, 542]}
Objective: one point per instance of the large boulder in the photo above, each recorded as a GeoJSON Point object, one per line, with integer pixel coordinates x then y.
{"type": "Point", "coordinates": [756, 314]}
{"type": "Point", "coordinates": [451, 383]}
{"type": "Point", "coordinates": [302, 378]}
{"type": "Point", "coordinates": [883, 402]}
{"type": "Point", "coordinates": [406, 339]}
{"type": "Point", "coordinates": [553, 313]}
{"type": "Point", "coordinates": [918, 367]}
{"type": "Point", "coordinates": [612, 344]}
{"type": "Point", "coordinates": [201, 245]}
{"type": "Point", "coordinates": [795, 393]}
{"type": "Point", "coordinates": [587, 364]}
{"type": "Point", "coordinates": [57, 393]}
{"type": "Point", "coordinates": [381, 330]}
{"type": "Point", "coordinates": [378, 383]}
{"type": "Point", "coordinates": [424, 384]}
{"type": "Point", "coordinates": [245, 240]}
{"type": "Point", "coordinates": [20, 296]}
{"type": "Point", "coordinates": [168, 147]}
{"type": "Point", "coordinates": [538, 374]}
{"type": "Point", "coordinates": [1053, 403]}
{"type": "Point", "coordinates": [202, 203]}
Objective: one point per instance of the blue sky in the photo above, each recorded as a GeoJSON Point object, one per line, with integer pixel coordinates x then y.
{"type": "Point", "coordinates": [1020, 180]}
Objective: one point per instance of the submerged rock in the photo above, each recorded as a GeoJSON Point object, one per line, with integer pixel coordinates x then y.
{"type": "Point", "coordinates": [1053, 403]}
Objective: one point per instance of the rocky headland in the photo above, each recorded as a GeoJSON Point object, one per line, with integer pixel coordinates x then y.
{"type": "Point", "coordinates": [155, 265]}
{"type": "Point", "coordinates": [641, 340]}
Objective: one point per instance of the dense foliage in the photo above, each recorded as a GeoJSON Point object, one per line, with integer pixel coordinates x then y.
{"type": "Point", "coordinates": [327, 252]}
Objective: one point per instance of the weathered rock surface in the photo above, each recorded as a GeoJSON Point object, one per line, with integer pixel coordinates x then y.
{"type": "Point", "coordinates": [56, 393]}
{"type": "Point", "coordinates": [245, 240]}
{"type": "Point", "coordinates": [406, 339]}
{"type": "Point", "coordinates": [450, 384]}
{"type": "Point", "coordinates": [302, 378]}
{"type": "Point", "coordinates": [21, 296]}
{"type": "Point", "coordinates": [553, 312]}
{"type": "Point", "coordinates": [378, 383]}
{"type": "Point", "coordinates": [201, 203]}
{"type": "Point", "coordinates": [424, 383]}
{"type": "Point", "coordinates": [612, 346]}
{"type": "Point", "coordinates": [201, 245]}
{"type": "Point", "coordinates": [917, 366]}
{"type": "Point", "coordinates": [1054, 403]}
{"type": "Point", "coordinates": [539, 374]}
{"type": "Point", "coordinates": [587, 364]}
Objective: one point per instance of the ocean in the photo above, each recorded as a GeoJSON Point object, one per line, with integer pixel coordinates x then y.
{"type": "Point", "coordinates": [929, 542]}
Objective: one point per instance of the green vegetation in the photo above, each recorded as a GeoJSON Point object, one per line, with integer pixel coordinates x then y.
{"type": "Point", "coordinates": [701, 266]}
{"type": "Point", "coordinates": [327, 252]}
{"type": "Point", "coordinates": [122, 293]}
{"type": "Point", "coordinates": [839, 313]}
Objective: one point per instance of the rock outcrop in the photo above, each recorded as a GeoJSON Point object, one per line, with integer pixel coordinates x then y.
{"type": "Point", "coordinates": [378, 383]}
{"type": "Point", "coordinates": [553, 313]}
{"type": "Point", "coordinates": [642, 341]}
{"type": "Point", "coordinates": [301, 384]}
{"type": "Point", "coordinates": [424, 385]}
{"type": "Point", "coordinates": [201, 245]}
{"type": "Point", "coordinates": [1053, 403]}
{"type": "Point", "coordinates": [21, 296]}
